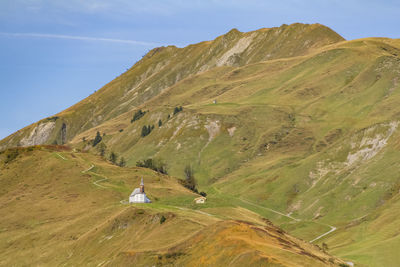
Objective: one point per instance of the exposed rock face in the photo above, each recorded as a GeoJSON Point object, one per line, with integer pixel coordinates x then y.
{"type": "Point", "coordinates": [63, 133]}
{"type": "Point", "coordinates": [213, 128]}
{"type": "Point", "coordinates": [365, 145]}
{"type": "Point", "coordinates": [238, 48]}
{"type": "Point", "coordinates": [231, 131]}
{"type": "Point", "coordinates": [371, 143]}
{"type": "Point", "coordinates": [39, 135]}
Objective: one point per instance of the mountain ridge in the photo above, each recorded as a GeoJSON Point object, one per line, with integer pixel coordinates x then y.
{"type": "Point", "coordinates": [125, 86]}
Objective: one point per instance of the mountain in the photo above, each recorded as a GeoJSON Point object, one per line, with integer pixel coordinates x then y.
{"type": "Point", "coordinates": [163, 67]}
{"type": "Point", "coordinates": [294, 124]}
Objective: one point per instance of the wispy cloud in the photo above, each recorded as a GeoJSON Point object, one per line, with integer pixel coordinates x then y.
{"type": "Point", "coordinates": [79, 38]}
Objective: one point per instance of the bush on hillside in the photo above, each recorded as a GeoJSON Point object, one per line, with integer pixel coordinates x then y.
{"type": "Point", "coordinates": [11, 154]}
{"type": "Point", "coordinates": [162, 219]}
{"type": "Point", "coordinates": [325, 247]}
{"type": "Point", "coordinates": [159, 123]}
{"type": "Point", "coordinates": [202, 193]}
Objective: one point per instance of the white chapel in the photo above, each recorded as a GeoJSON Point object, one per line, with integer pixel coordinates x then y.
{"type": "Point", "coordinates": [138, 195]}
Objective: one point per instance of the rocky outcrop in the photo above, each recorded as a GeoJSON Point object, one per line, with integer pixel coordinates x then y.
{"type": "Point", "coordinates": [39, 135]}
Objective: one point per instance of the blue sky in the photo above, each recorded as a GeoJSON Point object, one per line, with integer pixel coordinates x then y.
{"type": "Point", "coordinates": [54, 53]}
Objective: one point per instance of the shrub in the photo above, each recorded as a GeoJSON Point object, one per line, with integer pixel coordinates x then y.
{"type": "Point", "coordinates": [11, 154]}
{"type": "Point", "coordinates": [159, 123]}
{"type": "Point", "coordinates": [52, 118]}
{"type": "Point", "coordinates": [162, 219]}
{"type": "Point", "coordinates": [325, 247]}
{"type": "Point", "coordinates": [202, 193]}
{"type": "Point", "coordinates": [97, 139]}
{"type": "Point", "coordinates": [174, 255]}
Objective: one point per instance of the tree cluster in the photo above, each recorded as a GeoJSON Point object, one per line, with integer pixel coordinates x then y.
{"type": "Point", "coordinates": [101, 148]}
{"type": "Point", "coordinates": [138, 114]}
{"type": "Point", "coordinates": [113, 157]}
{"type": "Point", "coordinates": [146, 130]}
{"type": "Point", "coordinates": [177, 109]}
{"type": "Point", "coordinates": [155, 165]}
{"type": "Point", "coordinates": [190, 182]}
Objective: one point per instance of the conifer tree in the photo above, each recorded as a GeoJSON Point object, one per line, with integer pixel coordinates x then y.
{"type": "Point", "coordinates": [102, 149]}
{"type": "Point", "coordinates": [190, 181]}
{"type": "Point", "coordinates": [122, 162]}
{"type": "Point", "coordinates": [113, 157]}
{"type": "Point", "coordinates": [97, 139]}
{"type": "Point", "coordinates": [144, 131]}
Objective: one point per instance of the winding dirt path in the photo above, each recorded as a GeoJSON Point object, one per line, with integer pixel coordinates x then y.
{"type": "Point", "coordinates": [61, 156]}
{"type": "Point", "coordinates": [96, 183]}
{"type": "Point", "coordinates": [91, 167]}
{"type": "Point", "coordinates": [198, 211]}
{"type": "Point", "coordinates": [271, 210]}
{"type": "Point", "coordinates": [332, 228]}
{"type": "Point", "coordinates": [101, 180]}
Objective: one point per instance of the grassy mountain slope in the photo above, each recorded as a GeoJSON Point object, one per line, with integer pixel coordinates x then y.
{"type": "Point", "coordinates": [296, 135]}
{"type": "Point", "coordinates": [304, 132]}
{"type": "Point", "coordinates": [61, 207]}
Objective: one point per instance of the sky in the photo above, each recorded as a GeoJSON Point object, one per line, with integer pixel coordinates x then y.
{"type": "Point", "coordinates": [54, 53]}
